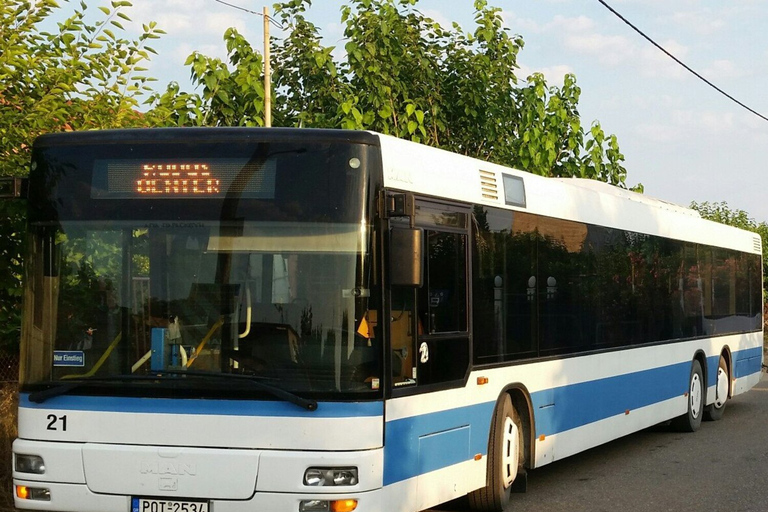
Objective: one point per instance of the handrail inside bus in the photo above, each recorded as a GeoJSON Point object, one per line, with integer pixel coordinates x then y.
{"type": "Point", "coordinates": [100, 362]}
{"type": "Point", "coordinates": [146, 357]}
{"type": "Point", "coordinates": [248, 313]}
{"type": "Point", "coordinates": [204, 341]}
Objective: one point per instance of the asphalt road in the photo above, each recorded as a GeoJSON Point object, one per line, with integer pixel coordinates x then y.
{"type": "Point", "coordinates": [722, 467]}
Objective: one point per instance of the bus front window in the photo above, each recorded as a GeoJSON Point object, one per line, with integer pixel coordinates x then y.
{"type": "Point", "coordinates": [280, 301]}
{"type": "Point", "coordinates": [181, 263]}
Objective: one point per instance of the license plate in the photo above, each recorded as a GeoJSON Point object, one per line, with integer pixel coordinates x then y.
{"type": "Point", "coordinates": [160, 505]}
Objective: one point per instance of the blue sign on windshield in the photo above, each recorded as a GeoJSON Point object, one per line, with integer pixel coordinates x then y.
{"type": "Point", "coordinates": [68, 358]}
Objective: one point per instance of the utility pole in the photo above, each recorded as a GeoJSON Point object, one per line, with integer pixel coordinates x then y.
{"type": "Point", "coordinates": [267, 73]}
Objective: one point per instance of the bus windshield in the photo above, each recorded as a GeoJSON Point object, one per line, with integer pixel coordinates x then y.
{"type": "Point", "coordinates": [274, 290]}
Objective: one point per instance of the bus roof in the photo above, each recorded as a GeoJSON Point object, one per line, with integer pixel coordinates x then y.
{"type": "Point", "coordinates": [414, 167]}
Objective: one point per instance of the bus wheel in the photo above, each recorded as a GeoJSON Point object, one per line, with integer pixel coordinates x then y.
{"type": "Point", "coordinates": [715, 411]}
{"type": "Point", "coordinates": [691, 421]}
{"type": "Point", "coordinates": [506, 455]}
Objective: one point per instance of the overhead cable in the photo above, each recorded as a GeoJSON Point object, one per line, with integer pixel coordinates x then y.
{"type": "Point", "coordinates": [272, 21]}
{"type": "Point", "coordinates": [681, 63]}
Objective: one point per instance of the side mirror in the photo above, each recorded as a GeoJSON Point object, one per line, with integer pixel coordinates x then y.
{"type": "Point", "coordinates": [405, 259]}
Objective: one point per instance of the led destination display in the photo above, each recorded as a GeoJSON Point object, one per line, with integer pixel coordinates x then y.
{"type": "Point", "coordinates": [179, 179]}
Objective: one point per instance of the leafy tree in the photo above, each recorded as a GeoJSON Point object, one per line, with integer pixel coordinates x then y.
{"type": "Point", "coordinates": [403, 74]}
{"type": "Point", "coordinates": [722, 213]}
{"type": "Point", "coordinates": [80, 76]}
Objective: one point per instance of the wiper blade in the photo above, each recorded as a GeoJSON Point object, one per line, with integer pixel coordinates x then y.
{"type": "Point", "coordinates": [255, 381]}
{"type": "Point", "coordinates": [39, 397]}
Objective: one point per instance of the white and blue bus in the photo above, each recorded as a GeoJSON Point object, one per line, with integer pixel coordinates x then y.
{"type": "Point", "coordinates": [234, 319]}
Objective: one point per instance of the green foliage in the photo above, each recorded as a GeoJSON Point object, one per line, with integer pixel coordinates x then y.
{"type": "Point", "coordinates": [229, 98]}
{"type": "Point", "coordinates": [82, 75]}
{"type": "Point", "coordinates": [722, 213]}
{"type": "Point", "coordinates": [403, 74]}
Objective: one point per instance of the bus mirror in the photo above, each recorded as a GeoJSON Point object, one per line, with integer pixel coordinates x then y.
{"type": "Point", "coordinates": [13, 188]}
{"type": "Point", "coordinates": [405, 257]}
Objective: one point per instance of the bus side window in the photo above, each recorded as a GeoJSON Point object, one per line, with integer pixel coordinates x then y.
{"type": "Point", "coordinates": [442, 299]}
{"type": "Point", "coordinates": [401, 332]}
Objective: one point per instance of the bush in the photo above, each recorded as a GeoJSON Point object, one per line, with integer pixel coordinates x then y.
{"type": "Point", "coordinates": [9, 402]}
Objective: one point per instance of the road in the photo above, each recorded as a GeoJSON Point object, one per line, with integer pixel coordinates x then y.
{"type": "Point", "coordinates": [722, 467]}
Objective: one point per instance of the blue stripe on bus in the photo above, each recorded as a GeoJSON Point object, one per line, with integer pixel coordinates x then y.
{"type": "Point", "coordinates": [420, 444]}
{"type": "Point", "coordinates": [448, 433]}
{"type": "Point", "coordinates": [747, 362]}
{"type": "Point", "coordinates": [198, 406]}
{"type": "Point", "coordinates": [576, 405]}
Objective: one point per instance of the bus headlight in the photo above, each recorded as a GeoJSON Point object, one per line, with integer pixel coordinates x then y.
{"type": "Point", "coordinates": [330, 476]}
{"type": "Point", "coordinates": [29, 464]}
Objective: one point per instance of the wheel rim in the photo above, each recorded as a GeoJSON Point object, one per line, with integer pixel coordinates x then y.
{"type": "Point", "coordinates": [510, 452]}
{"type": "Point", "coordinates": [722, 388]}
{"type": "Point", "coordinates": [695, 395]}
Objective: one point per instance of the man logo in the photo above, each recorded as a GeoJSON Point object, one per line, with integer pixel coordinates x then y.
{"type": "Point", "coordinates": [168, 468]}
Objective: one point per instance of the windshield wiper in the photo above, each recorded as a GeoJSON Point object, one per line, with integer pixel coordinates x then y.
{"type": "Point", "coordinates": [39, 397]}
{"type": "Point", "coordinates": [255, 381]}
{"type": "Point", "coordinates": [65, 387]}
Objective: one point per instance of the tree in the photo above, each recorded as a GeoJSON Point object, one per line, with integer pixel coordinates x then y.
{"type": "Point", "coordinates": [80, 76]}
{"type": "Point", "coordinates": [405, 75]}
{"type": "Point", "coordinates": [722, 213]}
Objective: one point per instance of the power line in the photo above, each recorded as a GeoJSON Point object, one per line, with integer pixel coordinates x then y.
{"type": "Point", "coordinates": [271, 20]}
{"type": "Point", "coordinates": [683, 64]}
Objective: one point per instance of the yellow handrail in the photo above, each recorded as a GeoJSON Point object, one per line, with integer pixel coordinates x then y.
{"type": "Point", "coordinates": [100, 362]}
{"type": "Point", "coordinates": [205, 340]}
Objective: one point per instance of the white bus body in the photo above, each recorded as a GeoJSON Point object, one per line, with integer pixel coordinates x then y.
{"type": "Point", "coordinates": [415, 437]}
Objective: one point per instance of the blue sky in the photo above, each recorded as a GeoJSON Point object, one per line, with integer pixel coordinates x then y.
{"type": "Point", "coordinates": [682, 140]}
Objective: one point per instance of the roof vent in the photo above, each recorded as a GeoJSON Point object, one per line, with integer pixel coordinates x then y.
{"type": "Point", "coordinates": [488, 185]}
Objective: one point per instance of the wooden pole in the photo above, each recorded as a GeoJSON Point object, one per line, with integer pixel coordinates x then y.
{"type": "Point", "coordinates": [267, 73]}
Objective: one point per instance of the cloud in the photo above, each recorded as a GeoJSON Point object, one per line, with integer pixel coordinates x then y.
{"type": "Point", "coordinates": [578, 34]}
{"type": "Point", "coordinates": [520, 25]}
{"type": "Point", "coordinates": [577, 24]}
{"type": "Point", "coordinates": [724, 70]}
{"type": "Point", "coordinates": [609, 50]}
{"type": "Point", "coordinates": [703, 22]}
{"type": "Point", "coordinates": [659, 133]}
{"type": "Point", "coordinates": [553, 74]}
{"type": "Point", "coordinates": [656, 64]}
{"type": "Point", "coordinates": [685, 125]}
{"type": "Point", "coordinates": [191, 19]}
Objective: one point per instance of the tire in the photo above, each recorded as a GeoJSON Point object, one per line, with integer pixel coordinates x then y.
{"type": "Point", "coordinates": [691, 420]}
{"type": "Point", "coordinates": [506, 457]}
{"type": "Point", "coordinates": [715, 410]}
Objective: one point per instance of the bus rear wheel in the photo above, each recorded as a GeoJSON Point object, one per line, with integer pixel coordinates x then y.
{"type": "Point", "coordinates": [715, 411]}
{"type": "Point", "coordinates": [691, 420]}
{"type": "Point", "coordinates": [506, 455]}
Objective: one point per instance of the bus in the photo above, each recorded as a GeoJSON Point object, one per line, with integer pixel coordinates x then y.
{"type": "Point", "coordinates": [238, 319]}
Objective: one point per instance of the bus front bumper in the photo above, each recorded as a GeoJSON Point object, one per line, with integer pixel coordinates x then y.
{"type": "Point", "coordinates": [77, 497]}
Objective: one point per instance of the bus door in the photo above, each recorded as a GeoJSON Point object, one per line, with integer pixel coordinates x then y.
{"type": "Point", "coordinates": [429, 319]}
{"type": "Point", "coordinates": [430, 347]}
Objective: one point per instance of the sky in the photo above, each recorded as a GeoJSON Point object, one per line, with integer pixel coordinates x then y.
{"type": "Point", "coordinates": [682, 140]}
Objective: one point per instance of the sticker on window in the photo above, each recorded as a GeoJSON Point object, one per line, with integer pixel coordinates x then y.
{"type": "Point", "coordinates": [69, 358]}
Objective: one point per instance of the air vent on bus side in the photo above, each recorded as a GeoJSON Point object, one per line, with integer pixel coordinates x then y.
{"type": "Point", "coordinates": [757, 245]}
{"type": "Point", "coordinates": [488, 185]}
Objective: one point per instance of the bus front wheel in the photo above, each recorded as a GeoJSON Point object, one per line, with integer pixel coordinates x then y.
{"type": "Point", "coordinates": [506, 455]}
{"type": "Point", "coordinates": [691, 420]}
